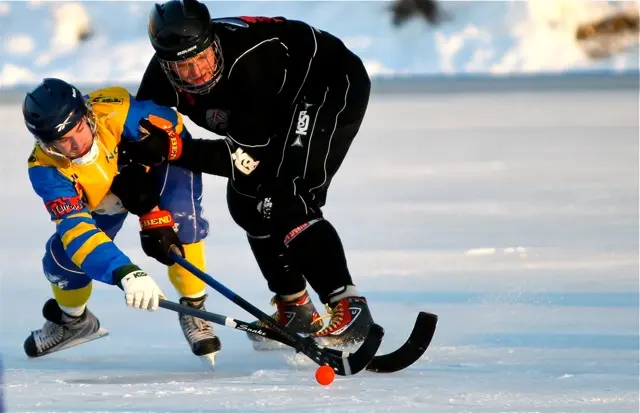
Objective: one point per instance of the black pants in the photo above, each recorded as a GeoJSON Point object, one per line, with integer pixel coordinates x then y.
{"type": "Point", "coordinates": [322, 127]}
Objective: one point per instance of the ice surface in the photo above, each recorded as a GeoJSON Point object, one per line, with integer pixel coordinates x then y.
{"type": "Point", "coordinates": [514, 217]}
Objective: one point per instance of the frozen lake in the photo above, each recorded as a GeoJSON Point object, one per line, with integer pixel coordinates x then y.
{"type": "Point", "coordinates": [513, 216]}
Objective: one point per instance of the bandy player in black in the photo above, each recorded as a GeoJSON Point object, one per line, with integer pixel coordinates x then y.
{"type": "Point", "coordinates": [288, 99]}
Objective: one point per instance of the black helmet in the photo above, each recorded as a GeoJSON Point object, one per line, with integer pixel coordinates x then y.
{"type": "Point", "coordinates": [52, 109]}
{"type": "Point", "coordinates": [181, 34]}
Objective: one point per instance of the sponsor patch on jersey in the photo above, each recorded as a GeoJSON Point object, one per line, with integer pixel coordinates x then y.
{"type": "Point", "coordinates": [244, 162]}
{"type": "Point", "coordinates": [107, 99]}
{"type": "Point", "coordinates": [61, 207]}
{"type": "Point", "coordinates": [303, 123]}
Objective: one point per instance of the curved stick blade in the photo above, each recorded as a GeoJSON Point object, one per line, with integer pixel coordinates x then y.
{"type": "Point", "coordinates": [411, 351]}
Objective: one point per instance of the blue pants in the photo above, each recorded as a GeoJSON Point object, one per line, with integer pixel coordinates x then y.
{"type": "Point", "coordinates": [181, 194]}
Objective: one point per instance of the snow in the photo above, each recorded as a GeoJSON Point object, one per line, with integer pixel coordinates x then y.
{"type": "Point", "coordinates": [497, 38]}
{"type": "Point", "coordinates": [513, 216]}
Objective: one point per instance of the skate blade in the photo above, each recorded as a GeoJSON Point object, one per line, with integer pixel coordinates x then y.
{"type": "Point", "coordinates": [102, 332]}
{"type": "Point", "coordinates": [209, 360]}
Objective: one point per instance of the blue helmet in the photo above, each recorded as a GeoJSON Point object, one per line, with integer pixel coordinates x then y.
{"type": "Point", "coordinates": [52, 109]}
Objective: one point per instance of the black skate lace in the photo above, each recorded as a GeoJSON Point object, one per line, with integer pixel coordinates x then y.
{"type": "Point", "coordinates": [50, 335]}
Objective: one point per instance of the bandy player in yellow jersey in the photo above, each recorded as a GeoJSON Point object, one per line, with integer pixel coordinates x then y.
{"type": "Point", "coordinates": [76, 170]}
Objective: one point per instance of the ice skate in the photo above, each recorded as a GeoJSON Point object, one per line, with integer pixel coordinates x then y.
{"type": "Point", "coordinates": [349, 323]}
{"type": "Point", "coordinates": [62, 331]}
{"type": "Point", "coordinates": [300, 315]}
{"type": "Point", "coordinates": [199, 333]}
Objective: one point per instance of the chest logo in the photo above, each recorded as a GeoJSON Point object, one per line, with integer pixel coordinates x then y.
{"type": "Point", "coordinates": [303, 123]}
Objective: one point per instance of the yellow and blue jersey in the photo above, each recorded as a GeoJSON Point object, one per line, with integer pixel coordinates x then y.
{"type": "Point", "coordinates": [72, 193]}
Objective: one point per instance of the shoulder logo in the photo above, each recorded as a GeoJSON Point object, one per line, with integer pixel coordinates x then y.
{"type": "Point", "coordinates": [106, 99]}
{"type": "Point", "coordinates": [232, 21]}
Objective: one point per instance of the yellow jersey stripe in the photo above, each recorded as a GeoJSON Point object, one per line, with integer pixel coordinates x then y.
{"type": "Point", "coordinates": [87, 248]}
{"type": "Point", "coordinates": [75, 232]}
{"type": "Point", "coordinates": [80, 215]}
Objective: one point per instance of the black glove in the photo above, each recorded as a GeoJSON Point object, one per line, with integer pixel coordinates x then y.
{"type": "Point", "coordinates": [136, 188]}
{"type": "Point", "coordinates": [158, 236]}
{"type": "Point", "coordinates": [158, 143]}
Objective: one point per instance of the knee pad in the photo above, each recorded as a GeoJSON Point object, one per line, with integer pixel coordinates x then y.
{"type": "Point", "coordinates": [187, 284]}
{"type": "Point", "coordinates": [59, 269]}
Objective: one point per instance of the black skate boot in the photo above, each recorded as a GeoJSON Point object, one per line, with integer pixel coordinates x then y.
{"type": "Point", "coordinates": [62, 331]}
{"type": "Point", "coordinates": [199, 333]}
{"type": "Point", "coordinates": [349, 324]}
{"type": "Point", "coordinates": [300, 315]}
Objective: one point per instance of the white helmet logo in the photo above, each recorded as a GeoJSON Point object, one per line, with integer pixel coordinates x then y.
{"type": "Point", "coordinates": [60, 127]}
{"type": "Point", "coordinates": [180, 53]}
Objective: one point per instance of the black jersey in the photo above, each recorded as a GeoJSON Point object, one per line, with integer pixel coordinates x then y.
{"type": "Point", "coordinates": [270, 66]}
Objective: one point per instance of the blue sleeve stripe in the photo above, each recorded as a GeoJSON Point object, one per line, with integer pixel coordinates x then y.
{"type": "Point", "coordinates": [103, 261]}
{"type": "Point", "coordinates": [69, 223]}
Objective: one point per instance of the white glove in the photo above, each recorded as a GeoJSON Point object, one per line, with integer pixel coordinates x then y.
{"type": "Point", "coordinates": [141, 291]}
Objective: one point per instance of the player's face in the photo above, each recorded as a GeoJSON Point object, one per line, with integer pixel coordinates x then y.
{"type": "Point", "coordinates": [77, 142]}
{"type": "Point", "coordinates": [199, 69]}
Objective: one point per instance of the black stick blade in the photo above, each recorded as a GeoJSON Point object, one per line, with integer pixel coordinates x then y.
{"type": "Point", "coordinates": [411, 351]}
{"type": "Point", "coordinates": [347, 364]}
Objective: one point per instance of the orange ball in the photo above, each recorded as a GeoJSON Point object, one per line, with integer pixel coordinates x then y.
{"type": "Point", "coordinates": [325, 375]}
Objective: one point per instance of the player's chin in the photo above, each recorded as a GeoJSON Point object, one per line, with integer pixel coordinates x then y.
{"type": "Point", "coordinates": [81, 152]}
{"type": "Point", "coordinates": [200, 81]}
